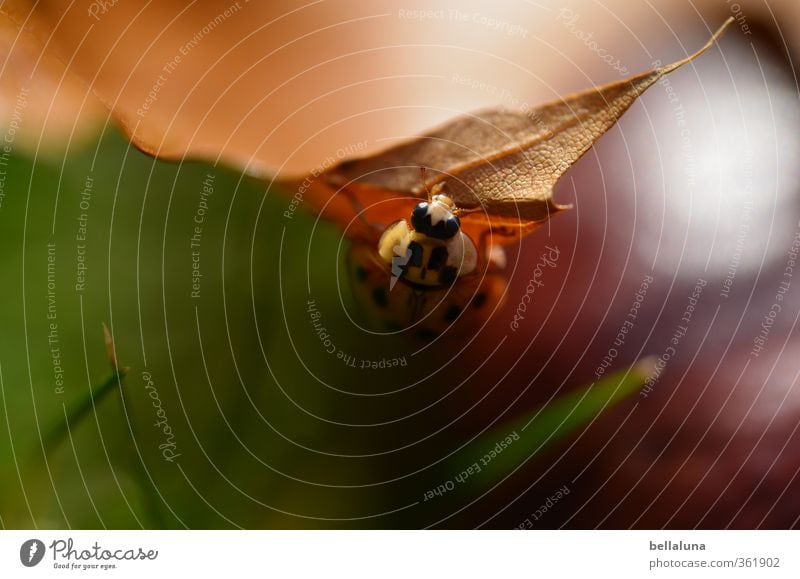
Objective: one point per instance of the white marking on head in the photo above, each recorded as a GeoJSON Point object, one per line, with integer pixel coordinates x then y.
{"type": "Point", "coordinates": [440, 208]}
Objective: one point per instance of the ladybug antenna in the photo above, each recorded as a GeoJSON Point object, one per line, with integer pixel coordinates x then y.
{"type": "Point", "coordinates": [459, 211]}
{"type": "Point", "coordinates": [433, 191]}
{"type": "Point", "coordinates": [422, 172]}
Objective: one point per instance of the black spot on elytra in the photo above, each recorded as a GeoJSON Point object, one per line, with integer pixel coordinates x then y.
{"type": "Point", "coordinates": [452, 313]}
{"type": "Point", "coordinates": [438, 257]}
{"type": "Point", "coordinates": [380, 297]}
{"type": "Point", "coordinates": [448, 275]}
{"type": "Point", "coordinates": [427, 334]}
{"type": "Point", "coordinates": [479, 300]}
{"type": "Point", "coordinates": [361, 273]}
{"type": "Point", "coordinates": [415, 259]}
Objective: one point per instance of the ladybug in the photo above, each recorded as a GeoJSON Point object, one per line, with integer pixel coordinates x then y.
{"type": "Point", "coordinates": [433, 250]}
{"type": "Point", "coordinates": [425, 310]}
{"type": "Point", "coordinates": [425, 274]}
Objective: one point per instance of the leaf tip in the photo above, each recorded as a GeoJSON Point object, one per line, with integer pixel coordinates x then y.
{"type": "Point", "coordinates": [645, 368]}
{"type": "Point", "coordinates": [716, 36]}
{"type": "Point", "coordinates": [711, 41]}
{"type": "Point", "coordinates": [110, 350]}
{"type": "Point", "coordinates": [559, 207]}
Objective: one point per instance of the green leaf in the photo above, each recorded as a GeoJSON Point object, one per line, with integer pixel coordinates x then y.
{"type": "Point", "coordinates": [81, 409]}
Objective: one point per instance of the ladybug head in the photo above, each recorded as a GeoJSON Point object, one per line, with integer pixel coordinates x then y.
{"type": "Point", "coordinates": [436, 218]}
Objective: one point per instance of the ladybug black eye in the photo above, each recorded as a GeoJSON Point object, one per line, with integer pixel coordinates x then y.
{"type": "Point", "coordinates": [452, 225]}
{"type": "Point", "coordinates": [420, 220]}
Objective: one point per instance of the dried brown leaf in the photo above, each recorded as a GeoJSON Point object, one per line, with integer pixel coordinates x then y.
{"type": "Point", "coordinates": [271, 87]}
{"type": "Point", "coordinates": [502, 163]}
